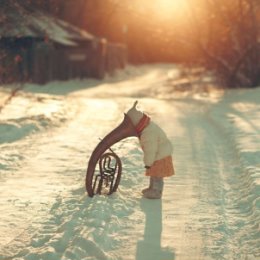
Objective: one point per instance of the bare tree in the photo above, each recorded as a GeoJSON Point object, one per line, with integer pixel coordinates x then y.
{"type": "Point", "coordinates": [226, 34]}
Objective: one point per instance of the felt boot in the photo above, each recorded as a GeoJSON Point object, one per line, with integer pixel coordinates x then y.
{"type": "Point", "coordinates": [150, 186]}
{"type": "Point", "coordinates": [156, 189]}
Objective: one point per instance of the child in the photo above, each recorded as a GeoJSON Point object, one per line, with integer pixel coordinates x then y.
{"type": "Point", "coordinates": [157, 150]}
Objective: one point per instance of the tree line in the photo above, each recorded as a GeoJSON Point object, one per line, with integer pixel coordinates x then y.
{"type": "Point", "coordinates": [223, 36]}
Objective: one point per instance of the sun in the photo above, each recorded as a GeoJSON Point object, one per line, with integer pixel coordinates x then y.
{"type": "Point", "coordinates": [170, 8]}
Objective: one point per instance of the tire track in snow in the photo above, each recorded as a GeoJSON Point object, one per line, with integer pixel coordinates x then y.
{"type": "Point", "coordinates": [196, 217]}
{"type": "Point", "coordinates": [223, 217]}
{"type": "Point", "coordinates": [242, 196]}
{"type": "Point", "coordinates": [76, 227]}
{"type": "Point", "coordinates": [82, 227]}
{"type": "Point", "coordinates": [201, 220]}
{"type": "Point", "coordinates": [196, 195]}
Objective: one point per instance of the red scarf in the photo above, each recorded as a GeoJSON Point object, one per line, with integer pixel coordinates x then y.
{"type": "Point", "coordinates": [142, 124]}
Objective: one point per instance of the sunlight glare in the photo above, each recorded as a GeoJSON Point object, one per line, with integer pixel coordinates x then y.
{"type": "Point", "coordinates": [170, 8]}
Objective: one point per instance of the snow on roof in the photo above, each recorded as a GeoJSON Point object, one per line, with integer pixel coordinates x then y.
{"type": "Point", "coordinates": [18, 22]}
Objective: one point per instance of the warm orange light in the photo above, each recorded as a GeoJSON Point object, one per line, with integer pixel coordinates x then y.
{"type": "Point", "coordinates": [168, 9]}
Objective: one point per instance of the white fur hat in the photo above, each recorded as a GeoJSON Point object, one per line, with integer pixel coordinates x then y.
{"type": "Point", "coordinates": [134, 114]}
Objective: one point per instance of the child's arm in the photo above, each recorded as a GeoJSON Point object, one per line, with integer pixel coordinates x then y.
{"type": "Point", "coordinates": [149, 145]}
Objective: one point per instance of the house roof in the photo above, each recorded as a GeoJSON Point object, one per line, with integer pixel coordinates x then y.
{"type": "Point", "coordinates": [17, 21]}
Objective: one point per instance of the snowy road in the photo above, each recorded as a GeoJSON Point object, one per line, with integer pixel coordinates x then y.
{"type": "Point", "coordinates": [210, 209]}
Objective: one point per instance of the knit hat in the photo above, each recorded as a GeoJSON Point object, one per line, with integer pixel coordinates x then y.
{"type": "Point", "coordinates": [134, 114]}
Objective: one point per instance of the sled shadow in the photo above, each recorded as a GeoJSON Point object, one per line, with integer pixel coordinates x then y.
{"type": "Point", "coordinates": [150, 247]}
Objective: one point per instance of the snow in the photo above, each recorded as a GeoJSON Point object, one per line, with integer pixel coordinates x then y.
{"type": "Point", "coordinates": [209, 210]}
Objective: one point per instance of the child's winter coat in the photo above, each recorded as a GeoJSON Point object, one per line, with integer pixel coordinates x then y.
{"type": "Point", "coordinates": [156, 146]}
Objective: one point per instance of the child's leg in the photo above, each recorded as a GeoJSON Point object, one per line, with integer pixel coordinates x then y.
{"type": "Point", "coordinates": [156, 189]}
{"type": "Point", "coordinates": [158, 184]}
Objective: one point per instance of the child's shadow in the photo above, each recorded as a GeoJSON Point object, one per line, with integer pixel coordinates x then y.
{"type": "Point", "coordinates": [150, 247]}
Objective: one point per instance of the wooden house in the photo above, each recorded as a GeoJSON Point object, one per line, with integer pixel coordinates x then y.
{"type": "Point", "coordinates": [38, 47]}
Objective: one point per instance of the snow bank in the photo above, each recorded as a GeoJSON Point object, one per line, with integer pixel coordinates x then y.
{"type": "Point", "coordinates": [27, 113]}
{"type": "Point", "coordinates": [237, 115]}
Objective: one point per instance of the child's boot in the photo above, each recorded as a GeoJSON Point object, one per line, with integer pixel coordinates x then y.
{"type": "Point", "coordinates": [150, 186]}
{"type": "Point", "coordinates": [156, 189]}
